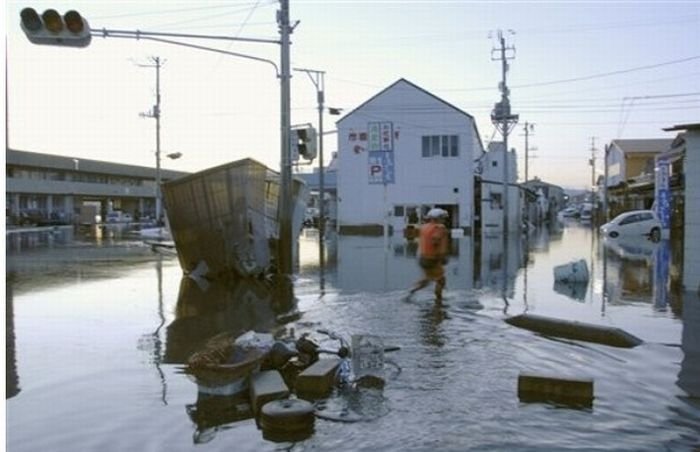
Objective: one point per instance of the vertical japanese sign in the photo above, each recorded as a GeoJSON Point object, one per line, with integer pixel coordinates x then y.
{"type": "Point", "coordinates": [380, 136]}
{"type": "Point", "coordinates": [663, 193]}
{"type": "Point", "coordinates": [381, 167]}
{"type": "Point", "coordinates": [661, 273]}
{"type": "Point", "coordinates": [380, 158]}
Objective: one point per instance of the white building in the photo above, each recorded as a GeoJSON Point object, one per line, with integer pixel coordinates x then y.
{"type": "Point", "coordinates": [401, 153]}
{"type": "Point", "coordinates": [490, 167]}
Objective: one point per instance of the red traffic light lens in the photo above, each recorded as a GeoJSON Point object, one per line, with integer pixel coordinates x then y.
{"type": "Point", "coordinates": [74, 22]}
{"type": "Point", "coordinates": [52, 21]}
{"type": "Point", "coordinates": [30, 19]}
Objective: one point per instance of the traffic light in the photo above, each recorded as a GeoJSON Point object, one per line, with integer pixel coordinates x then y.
{"type": "Point", "coordinates": [304, 142]}
{"type": "Point", "coordinates": [50, 28]}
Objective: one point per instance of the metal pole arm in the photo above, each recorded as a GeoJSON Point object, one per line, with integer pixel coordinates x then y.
{"type": "Point", "coordinates": [195, 46]}
{"type": "Point", "coordinates": [140, 34]}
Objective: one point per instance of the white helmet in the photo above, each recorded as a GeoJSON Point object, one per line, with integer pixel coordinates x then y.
{"type": "Point", "coordinates": [436, 213]}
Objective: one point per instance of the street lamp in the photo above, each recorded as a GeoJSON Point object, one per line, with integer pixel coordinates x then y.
{"type": "Point", "coordinates": [317, 78]}
{"type": "Point", "coordinates": [159, 193]}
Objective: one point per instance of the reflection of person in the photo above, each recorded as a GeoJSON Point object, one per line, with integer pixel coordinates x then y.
{"type": "Point", "coordinates": [433, 244]}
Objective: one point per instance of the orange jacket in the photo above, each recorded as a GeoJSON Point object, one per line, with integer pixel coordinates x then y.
{"type": "Point", "coordinates": [433, 240]}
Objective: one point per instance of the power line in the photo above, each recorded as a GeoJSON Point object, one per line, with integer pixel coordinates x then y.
{"type": "Point", "coordinates": [587, 77]}
{"type": "Point", "coordinates": [609, 108]}
{"type": "Point", "coordinates": [620, 85]}
{"type": "Point", "coordinates": [608, 74]}
{"type": "Point", "coordinates": [161, 12]}
{"type": "Point", "coordinates": [240, 29]}
{"type": "Point", "coordinates": [612, 99]}
{"type": "Point", "coordinates": [604, 88]}
{"type": "Point", "coordinates": [213, 16]}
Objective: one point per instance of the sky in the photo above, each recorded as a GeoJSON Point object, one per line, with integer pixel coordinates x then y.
{"type": "Point", "coordinates": [582, 74]}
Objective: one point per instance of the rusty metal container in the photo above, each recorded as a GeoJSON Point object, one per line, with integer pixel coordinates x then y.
{"type": "Point", "coordinates": [225, 219]}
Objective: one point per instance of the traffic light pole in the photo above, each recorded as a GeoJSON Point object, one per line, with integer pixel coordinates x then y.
{"type": "Point", "coordinates": [79, 34]}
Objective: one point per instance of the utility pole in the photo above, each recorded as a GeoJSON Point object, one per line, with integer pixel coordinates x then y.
{"type": "Point", "coordinates": [284, 250]}
{"type": "Point", "coordinates": [527, 128]}
{"type": "Point", "coordinates": [606, 216]}
{"type": "Point", "coordinates": [155, 113]}
{"type": "Point", "coordinates": [317, 78]}
{"type": "Point", "coordinates": [592, 163]}
{"type": "Point", "coordinates": [502, 118]}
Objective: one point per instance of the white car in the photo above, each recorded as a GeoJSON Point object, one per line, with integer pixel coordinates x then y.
{"type": "Point", "coordinates": [117, 216]}
{"type": "Point", "coordinates": [569, 212]}
{"type": "Point", "coordinates": [634, 223]}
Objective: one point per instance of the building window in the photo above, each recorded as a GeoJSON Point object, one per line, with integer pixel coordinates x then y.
{"type": "Point", "coordinates": [440, 146]}
{"type": "Point", "coordinates": [454, 146]}
{"type": "Point", "coordinates": [496, 201]}
{"type": "Point", "coordinates": [398, 211]}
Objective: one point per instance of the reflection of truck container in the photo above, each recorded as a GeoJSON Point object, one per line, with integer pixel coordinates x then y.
{"type": "Point", "coordinates": [226, 217]}
{"type": "Point", "coordinates": [586, 212]}
{"type": "Point", "coordinates": [89, 213]}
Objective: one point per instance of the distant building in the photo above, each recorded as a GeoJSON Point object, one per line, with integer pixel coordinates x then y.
{"type": "Point", "coordinates": [630, 173]}
{"type": "Point", "coordinates": [550, 201]}
{"type": "Point", "coordinates": [490, 169]}
{"type": "Point", "coordinates": [56, 187]}
{"type": "Point", "coordinates": [632, 160]}
{"type": "Point", "coordinates": [400, 153]}
{"type": "Point", "coordinates": [330, 189]}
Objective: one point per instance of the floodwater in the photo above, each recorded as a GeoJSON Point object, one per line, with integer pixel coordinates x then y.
{"type": "Point", "coordinates": [98, 329]}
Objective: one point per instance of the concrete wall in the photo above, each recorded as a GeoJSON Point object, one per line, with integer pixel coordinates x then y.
{"type": "Point", "coordinates": [616, 166]}
{"type": "Point", "coordinates": [421, 181]}
{"type": "Point", "coordinates": [691, 253]}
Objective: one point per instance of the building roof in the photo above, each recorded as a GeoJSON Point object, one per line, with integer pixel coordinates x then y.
{"type": "Point", "coordinates": [396, 83]}
{"type": "Point", "coordinates": [537, 182]}
{"type": "Point", "coordinates": [650, 145]}
{"type": "Point", "coordinates": [313, 180]}
{"type": "Point", "coordinates": [57, 162]}
{"type": "Point", "coordinates": [691, 126]}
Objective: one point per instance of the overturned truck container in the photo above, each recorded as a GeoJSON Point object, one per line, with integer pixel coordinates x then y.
{"type": "Point", "coordinates": [225, 220]}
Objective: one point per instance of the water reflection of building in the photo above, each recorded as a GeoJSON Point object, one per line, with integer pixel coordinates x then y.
{"type": "Point", "coordinates": [375, 263]}
{"type": "Point", "coordinates": [17, 241]}
{"type": "Point", "coordinates": [498, 269]}
{"type": "Point", "coordinates": [205, 310]}
{"type": "Point", "coordinates": [689, 376]}
{"type": "Point", "coordinates": [639, 270]}
{"type": "Point", "coordinates": [11, 376]}
{"type": "Point", "coordinates": [630, 271]}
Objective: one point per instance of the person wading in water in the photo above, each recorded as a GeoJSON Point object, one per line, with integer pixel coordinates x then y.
{"type": "Point", "coordinates": [433, 246]}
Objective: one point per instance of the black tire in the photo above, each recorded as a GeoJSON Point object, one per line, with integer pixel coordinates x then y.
{"type": "Point", "coordinates": [655, 235]}
{"type": "Point", "coordinates": [614, 234]}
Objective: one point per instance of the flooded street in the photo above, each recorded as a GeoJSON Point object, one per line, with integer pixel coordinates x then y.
{"type": "Point", "coordinates": [98, 331]}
